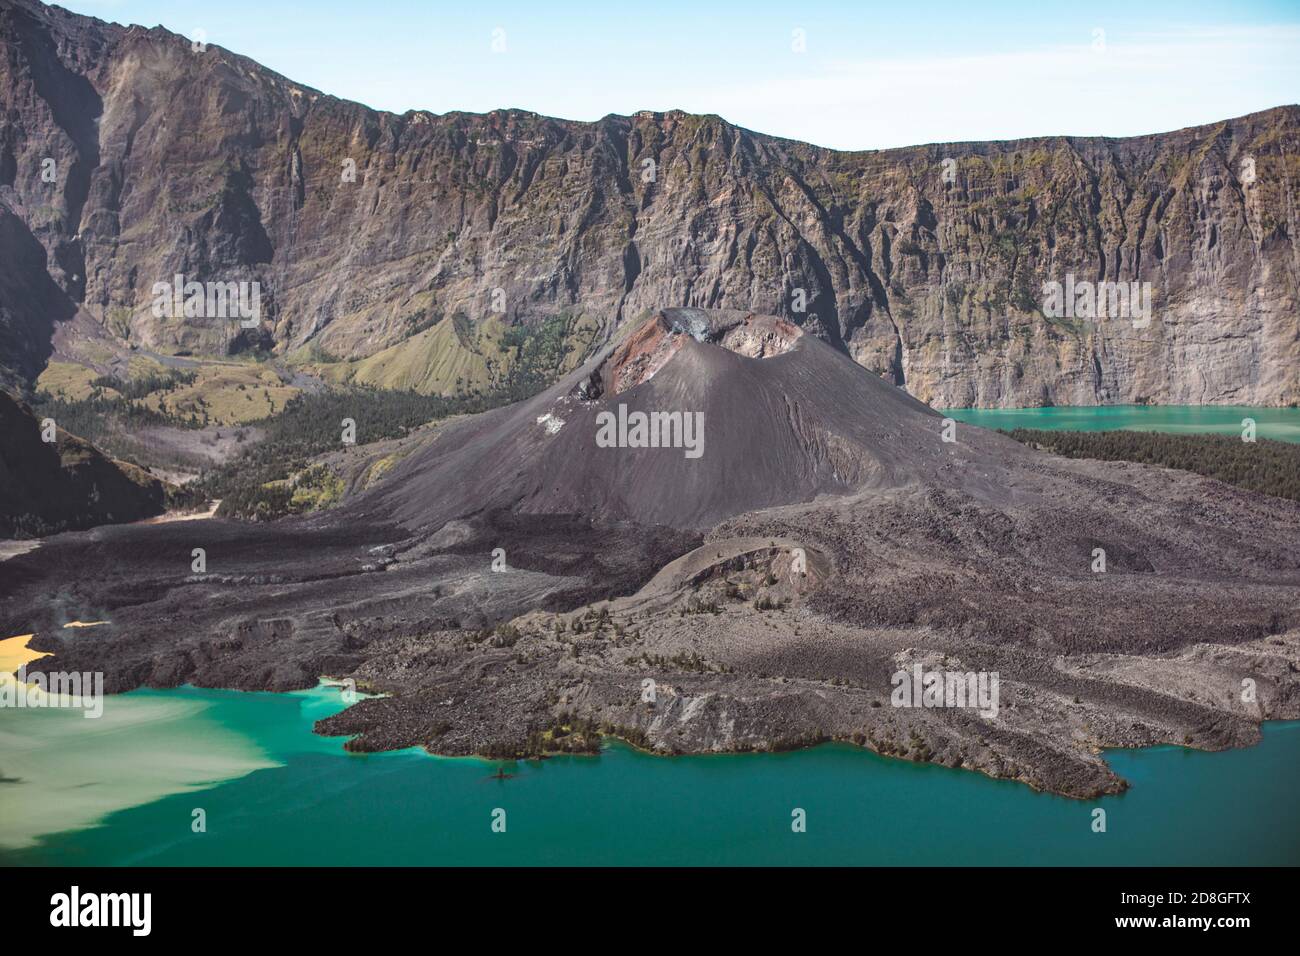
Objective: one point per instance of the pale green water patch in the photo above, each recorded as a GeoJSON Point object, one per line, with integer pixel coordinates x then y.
{"type": "Point", "coordinates": [66, 772]}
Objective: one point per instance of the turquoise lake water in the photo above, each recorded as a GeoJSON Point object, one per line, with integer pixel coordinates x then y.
{"type": "Point", "coordinates": [320, 805]}
{"type": "Point", "coordinates": [124, 789]}
{"type": "Point", "coordinates": [1282, 424]}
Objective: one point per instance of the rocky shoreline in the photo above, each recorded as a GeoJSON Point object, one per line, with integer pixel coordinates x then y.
{"type": "Point", "coordinates": [512, 590]}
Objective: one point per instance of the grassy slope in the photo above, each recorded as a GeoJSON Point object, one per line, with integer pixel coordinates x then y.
{"type": "Point", "coordinates": [465, 360]}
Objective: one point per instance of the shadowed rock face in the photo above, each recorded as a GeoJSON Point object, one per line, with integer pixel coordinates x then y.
{"type": "Point", "coordinates": [509, 572]}
{"type": "Point", "coordinates": [66, 484]}
{"type": "Point", "coordinates": [207, 164]}
{"type": "Point", "coordinates": [30, 303]}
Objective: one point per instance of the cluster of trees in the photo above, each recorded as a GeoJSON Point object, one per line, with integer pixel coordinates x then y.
{"type": "Point", "coordinates": [568, 734]}
{"type": "Point", "coordinates": [682, 660]}
{"type": "Point", "coordinates": [258, 502]}
{"type": "Point", "coordinates": [539, 356]}
{"type": "Point", "coordinates": [100, 419]}
{"type": "Point", "coordinates": [29, 525]}
{"type": "Point", "coordinates": [144, 386]}
{"type": "Point", "coordinates": [117, 427]}
{"type": "Point", "coordinates": [253, 484]}
{"type": "Point", "coordinates": [310, 425]}
{"type": "Point", "coordinates": [698, 605]}
{"type": "Point", "coordinates": [1270, 467]}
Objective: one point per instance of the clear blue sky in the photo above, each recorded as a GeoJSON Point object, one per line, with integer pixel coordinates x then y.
{"type": "Point", "coordinates": [871, 75]}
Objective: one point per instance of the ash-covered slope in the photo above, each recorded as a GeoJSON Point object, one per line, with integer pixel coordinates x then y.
{"type": "Point", "coordinates": [925, 264]}
{"type": "Point", "coordinates": [755, 414]}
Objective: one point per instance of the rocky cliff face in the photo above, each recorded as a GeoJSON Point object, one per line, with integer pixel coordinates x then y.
{"type": "Point", "coordinates": [364, 229]}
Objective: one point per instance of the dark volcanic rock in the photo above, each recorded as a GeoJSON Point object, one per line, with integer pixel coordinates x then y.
{"type": "Point", "coordinates": [512, 586]}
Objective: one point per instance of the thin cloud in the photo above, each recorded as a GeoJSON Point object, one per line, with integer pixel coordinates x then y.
{"type": "Point", "coordinates": [1139, 83]}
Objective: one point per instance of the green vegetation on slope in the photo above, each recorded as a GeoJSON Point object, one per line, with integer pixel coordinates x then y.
{"type": "Point", "coordinates": [1270, 467]}
{"type": "Point", "coordinates": [209, 392]}
{"type": "Point", "coordinates": [145, 385]}
{"type": "Point", "coordinates": [454, 356]}
{"type": "Point", "coordinates": [274, 477]}
{"type": "Point", "coordinates": [99, 419]}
